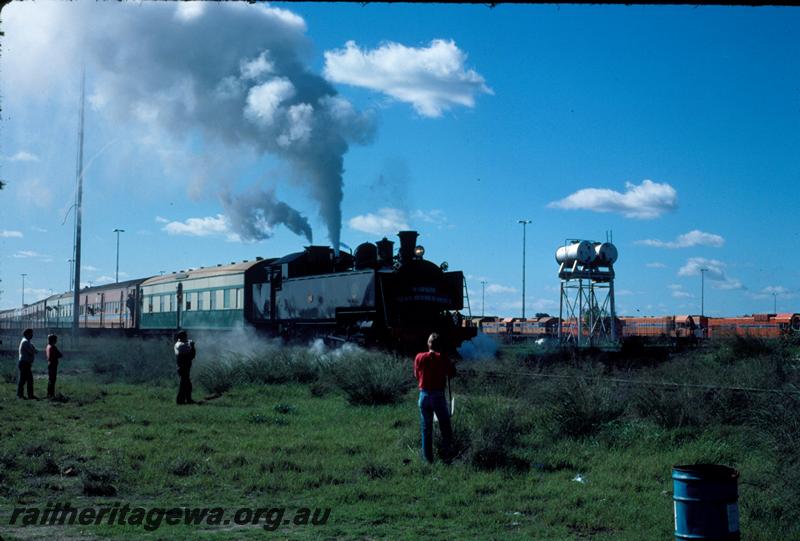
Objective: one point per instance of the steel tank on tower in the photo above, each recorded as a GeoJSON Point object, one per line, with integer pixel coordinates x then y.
{"type": "Point", "coordinates": [587, 310]}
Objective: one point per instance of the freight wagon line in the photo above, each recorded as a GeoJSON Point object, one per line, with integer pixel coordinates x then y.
{"type": "Point", "coordinates": [644, 383]}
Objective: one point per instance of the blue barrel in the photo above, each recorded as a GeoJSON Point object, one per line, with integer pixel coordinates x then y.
{"type": "Point", "coordinates": [705, 497]}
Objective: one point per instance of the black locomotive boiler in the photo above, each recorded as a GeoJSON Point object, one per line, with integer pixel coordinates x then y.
{"type": "Point", "coordinates": [372, 297]}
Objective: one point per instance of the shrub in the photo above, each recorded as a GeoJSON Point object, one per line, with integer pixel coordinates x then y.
{"type": "Point", "coordinates": [777, 422]}
{"type": "Point", "coordinates": [97, 482]}
{"type": "Point", "coordinates": [488, 434]}
{"type": "Point", "coordinates": [217, 377]}
{"type": "Point", "coordinates": [742, 347]}
{"type": "Point", "coordinates": [670, 407]}
{"type": "Point", "coordinates": [580, 408]}
{"type": "Point", "coordinates": [134, 360]}
{"type": "Point", "coordinates": [320, 388]}
{"type": "Point", "coordinates": [183, 467]}
{"type": "Point", "coordinates": [8, 372]}
{"type": "Point", "coordinates": [372, 378]}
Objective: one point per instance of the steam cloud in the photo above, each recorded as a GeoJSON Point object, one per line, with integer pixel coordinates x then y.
{"type": "Point", "coordinates": [229, 72]}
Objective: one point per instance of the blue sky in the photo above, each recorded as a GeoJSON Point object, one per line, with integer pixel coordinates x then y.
{"type": "Point", "coordinates": [215, 133]}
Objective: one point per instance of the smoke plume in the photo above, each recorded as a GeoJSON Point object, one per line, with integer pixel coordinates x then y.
{"type": "Point", "coordinates": [255, 213]}
{"type": "Point", "coordinates": [231, 73]}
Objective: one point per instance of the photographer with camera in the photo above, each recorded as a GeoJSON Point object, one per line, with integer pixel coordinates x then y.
{"type": "Point", "coordinates": [184, 355]}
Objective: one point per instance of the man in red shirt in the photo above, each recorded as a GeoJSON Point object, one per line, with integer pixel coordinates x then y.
{"type": "Point", "coordinates": [53, 355]}
{"type": "Point", "coordinates": [431, 369]}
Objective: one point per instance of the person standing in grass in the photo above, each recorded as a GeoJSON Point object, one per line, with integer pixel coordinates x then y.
{"type": "Point", "coordinates": [27, 353]}
{"type": "Point", "coordinates": [431, 370]}
{"type": "Point", "coordinates": [184, 355]}
{"type": "Point", "coordinates": [53, 354]}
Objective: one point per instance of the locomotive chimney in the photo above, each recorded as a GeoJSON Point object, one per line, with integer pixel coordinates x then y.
{"type": "Point", "coordinates": [408, 241]}
{"type": "Point", "coordinates": [385, 252]}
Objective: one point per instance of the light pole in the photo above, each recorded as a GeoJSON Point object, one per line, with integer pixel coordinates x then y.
{"type": "Point", "coordinates": [70, 261]}
{"type": "Point", "coordinates": [524, 224]}
{"type": "Point", "coordinates": [703, 272]}
{"type": "Point", "coordinates": [118, 231]}
{"type": "Point", "coordinates": [23, 289]}
{"type": "Point", "coordinates": [775, 302]}
{"type": "Point", "coordinates": [483, 296]}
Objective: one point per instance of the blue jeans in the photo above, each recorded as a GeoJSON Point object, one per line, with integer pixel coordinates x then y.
{"type": "Point", "coordinates": [431, 402]}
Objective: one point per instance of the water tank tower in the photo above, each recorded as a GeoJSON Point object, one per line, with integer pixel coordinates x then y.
{"type": "Point", "coordinates": [587, 310]}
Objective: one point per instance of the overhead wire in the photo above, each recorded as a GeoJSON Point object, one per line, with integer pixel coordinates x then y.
{"type": "Point", "coordinates": [622, 381]}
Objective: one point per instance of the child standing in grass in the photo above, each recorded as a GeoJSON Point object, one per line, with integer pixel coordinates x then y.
{"type": "Point", "coordinates": [431, 369]}
{"type": "Point", "coordinates": [53, 355]}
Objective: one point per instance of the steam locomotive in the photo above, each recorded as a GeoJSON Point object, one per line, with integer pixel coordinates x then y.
{"type": "Point", "coordinates": [374, 297]}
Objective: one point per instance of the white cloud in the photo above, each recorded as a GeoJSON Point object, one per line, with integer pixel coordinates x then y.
{"type": "Point", "coordinates": [531, 306]}
{"type": "Point", "coordinates": [10, 234]}
{"type": "Point", "coordinates": [497, 288]}
{"type": "Point", "coordinates": [646, 201]}
{"type": "Point", "coordinates": [655, 265]}
{"type": "Point", "coordinates": [432, 79]}
{"type": "Point", "coordinates": [36, 294]}
{"type": "Point", "coordinates": [779, 291]}
{"type": "Point", "coordinates": [30, 254]}
{"type": "Point", "coordinates": [730, 283]}
{"type": "Point", "coordinates": [678, 292]}
{"type": "Point", "coordinates": [715, 270]}
{"type": "Point", "coordinates": [36, 193]}
{"type": "Point", "coordinates": [202, 227]}
{"type": "Point", "coordinates": [23, 156]}
{"type": "Point", "coordinates": [687, 240]}
{"type": "Point", "coordinates": [89, 268]}
{"type": "Point", "coordinates": [24, 254]}
{"type": "Point", "coordinates": [435, 217]}
{"type": "Point", "coordinates": [38, 229]}
{"type": "Point", "coordinates": [387, 221]}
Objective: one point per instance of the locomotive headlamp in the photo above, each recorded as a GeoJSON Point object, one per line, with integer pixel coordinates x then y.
{"type": "Point", "coordinates": [419, 251]}
{"type": "Point", "coordinates": [444, 266]}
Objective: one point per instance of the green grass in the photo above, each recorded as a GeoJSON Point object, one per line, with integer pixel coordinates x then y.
{"type": "Point", "coordinates": [305, 445]}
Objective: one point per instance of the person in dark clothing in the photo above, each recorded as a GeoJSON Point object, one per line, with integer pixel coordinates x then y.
{"type": "Point", "coordinates": [27, 353]}
{"type": "Point", "coordinates": [432, 369]}
{"type": "Point", "coordinates": [184, 355]}
{"type": "Point", "coordinates": [53, 354]}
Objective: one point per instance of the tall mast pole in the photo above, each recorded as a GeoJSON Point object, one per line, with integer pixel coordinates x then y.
{"type": "Point", "coordinates": [78, 215]}
{"type": "Point", "coordinates": [524, 225]}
